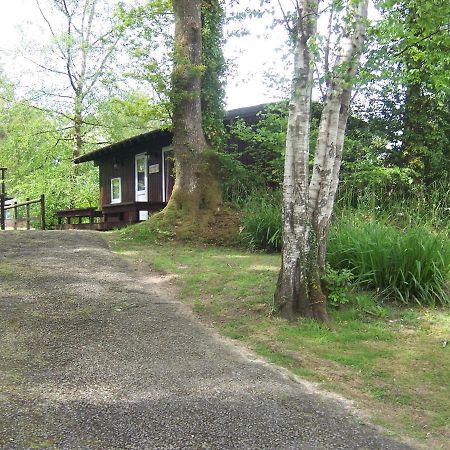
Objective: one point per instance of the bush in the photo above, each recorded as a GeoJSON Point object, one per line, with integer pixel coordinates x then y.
{"type": "Point", "coordinates": [338, 283]}
{"type": "Point", "coordinates": [410, 265]}
{"type": "Point", "coordinates": [262, 221]}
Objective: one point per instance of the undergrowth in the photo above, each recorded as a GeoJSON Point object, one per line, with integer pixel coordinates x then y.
{"type": "Point", "coordinates": [262, 221]}
{"type": "Point", "coordinates": [399, 248]}
{"type": "Point", "coordinates": [410, 265]}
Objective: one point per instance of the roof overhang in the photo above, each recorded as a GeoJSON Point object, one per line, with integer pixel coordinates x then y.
{"type": "Point", "coordinates": [127, 144]}
{"type": "Point", "coordinates": [160, 135]}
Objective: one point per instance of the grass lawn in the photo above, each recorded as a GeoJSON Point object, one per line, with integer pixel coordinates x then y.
{"type": "Point", "coordinates": [393, 361]}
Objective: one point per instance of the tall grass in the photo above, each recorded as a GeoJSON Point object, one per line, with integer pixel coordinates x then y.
{"type": "Point", "coordinates": [401, 249]}
{"type": "Point", "coordinates": [424, 207]}
{"type": "Point", "coordinates": [410, 265]}
{"type": "Point", "coordinates": [262, 221]}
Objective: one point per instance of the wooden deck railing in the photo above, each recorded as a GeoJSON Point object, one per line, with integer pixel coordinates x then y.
{"type": "Point", "coordinates": [15, 207]}
{"type": "Point", "coordinates": [73, 218]}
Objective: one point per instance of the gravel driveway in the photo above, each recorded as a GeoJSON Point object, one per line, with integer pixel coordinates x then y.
{"type": "Point", "coordinates": [95, 356]}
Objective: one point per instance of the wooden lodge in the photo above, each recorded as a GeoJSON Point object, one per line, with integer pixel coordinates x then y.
{"type": "Point", "coordinates": [136, 178]}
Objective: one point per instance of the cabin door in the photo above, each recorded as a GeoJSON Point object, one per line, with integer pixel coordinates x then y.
{"type": "Point", "coordinates": [167, 173]}
{"type": "Point", "coordinates": [141, 177]}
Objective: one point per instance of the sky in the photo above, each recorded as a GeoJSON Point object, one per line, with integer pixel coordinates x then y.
{"type": "Point", "coordinates": [250, 55]}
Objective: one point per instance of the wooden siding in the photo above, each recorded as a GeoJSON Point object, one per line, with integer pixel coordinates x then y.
{"type": "Point", "coordinates": [155, 179]}
{"type": "Point", "coordinates": [169, 169]}
{"type": "Point", "coordinates": [115, 167]}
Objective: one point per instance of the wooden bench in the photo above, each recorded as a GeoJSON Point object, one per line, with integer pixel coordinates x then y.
{"type": "Point", "coordinates": [78, 214]}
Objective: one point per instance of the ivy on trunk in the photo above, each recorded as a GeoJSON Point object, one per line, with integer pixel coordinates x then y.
{"type": "Point", "coordinates": [196, 191]}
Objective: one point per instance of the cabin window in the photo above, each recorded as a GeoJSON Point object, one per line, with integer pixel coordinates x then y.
{"type": "Point", "coordinates": [116, 190]}
{"type": "Point", "coordinates": [141, 177]}
{"type": "Point", "coordinates": [140, 169]}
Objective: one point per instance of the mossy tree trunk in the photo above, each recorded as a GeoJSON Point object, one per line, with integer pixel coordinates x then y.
{"type": "Point", "coordinates": [196, 191]}
{"type": "Point", "coordinates": [308, 203]}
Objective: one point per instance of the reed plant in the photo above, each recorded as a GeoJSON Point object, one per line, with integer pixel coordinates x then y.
{"type": "Point", "coordinates": [410, 265]}
{"type": "Point", "coordinates": [262, 221]}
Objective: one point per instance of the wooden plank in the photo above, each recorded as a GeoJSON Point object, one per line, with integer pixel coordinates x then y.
{"type": "Point", "coordinates": [25, 203]}
{"type": "Point", "coordinates": [43, 211]}
{"type": "Point", "coordinates": [2, 211]}
{"type": "Point", "coordinates": [28, 214]}
{"type": "Point", "coordinates": [16, 216]}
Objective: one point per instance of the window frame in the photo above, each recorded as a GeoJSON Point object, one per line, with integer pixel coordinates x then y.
{"type": "Point", "coordinates": [141, 195]}
{"type": "Point", "coordinates": [119, 198]}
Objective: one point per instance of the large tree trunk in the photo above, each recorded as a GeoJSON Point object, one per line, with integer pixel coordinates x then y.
{"type": "Point", "coordinates": [307, 208]}
{"type": "Point", "coordinates": [196, 187]}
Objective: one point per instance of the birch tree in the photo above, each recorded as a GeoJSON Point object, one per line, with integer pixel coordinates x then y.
{"type": "Point", "coordinates": [308, 201]}
{"type": "Point", "coordinates": [76, 64]}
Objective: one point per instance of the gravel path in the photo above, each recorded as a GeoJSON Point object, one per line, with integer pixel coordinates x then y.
{"type": "Point", "coordinates": [95, 356]}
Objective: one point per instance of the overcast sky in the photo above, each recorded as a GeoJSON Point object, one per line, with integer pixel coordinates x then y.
{"type": "Point", "coordinates": [251, 55]}
{"type": "Point", "coordinates": [256, 53]}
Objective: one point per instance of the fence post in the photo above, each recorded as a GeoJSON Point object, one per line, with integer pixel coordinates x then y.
{"type": "Point", "coordinates": [43, 211]}
{"type": "Point", "coordinates": [28, 213]}
{"type": "Point", "coordinates": [16, 215]}
{"type": "Point", "coordinates": [3, 171]}
{"type": "Point", "coordinates": [2, 211]}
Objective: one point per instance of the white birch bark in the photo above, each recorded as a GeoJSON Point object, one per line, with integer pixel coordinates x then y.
{"type": "Point", "coordinates": [291, 293]}
{"type": "Point", "coordinates": [333, 123]}
{"type": "Point", "coordinates": [307, 206]}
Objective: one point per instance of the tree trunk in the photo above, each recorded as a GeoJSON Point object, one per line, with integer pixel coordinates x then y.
{"type": "Point", "coordinates": [76, 152]}
{"type": "Point", "coordinates": [333, 123]}
{"type": "Point", "coordinates": [307, 206]}
{"type": "Point", "coordinates": [293, 288]}
{"type": "Point", "coordinates": [196, 187]}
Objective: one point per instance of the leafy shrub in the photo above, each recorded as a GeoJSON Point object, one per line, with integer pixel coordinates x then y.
{"type": "Point", "coordinates": [237, 180]}
{"type": "Point", "coordinates": [338, 285]}
{"type": "Point", "coordinates": [409, 265]}
{"type": "Point", "coordinates": [262, 221]}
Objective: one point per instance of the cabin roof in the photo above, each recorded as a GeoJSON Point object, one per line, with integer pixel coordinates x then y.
{"type": "Point", "coordinates": [249, 112]}
{"type": "Point", "coordinates": [124, 145]}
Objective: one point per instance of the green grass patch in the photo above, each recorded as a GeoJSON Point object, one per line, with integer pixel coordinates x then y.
{"type": "Point", "coordinates": [388, 357]}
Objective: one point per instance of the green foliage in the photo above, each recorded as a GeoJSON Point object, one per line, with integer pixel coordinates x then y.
{"type": "Point", "coordinates": [236, 179]}
{"type": "Point", "coordinates": [213, 92]}
{"type": "Point", "coordinates": [364, 181]}
{"type": "Point", "coordinates": [402, 208]}
{"type": "Point", "coordinates": [410, 265]}
{"type": "Point", "coordinates": [148, 31]}
{"type": "Point", "coordinates": [338, 284]}
{"type": "Point", "coordinates": [39, 159]}
{"type": "Point", "coordinates": [264, 143]}
{"type": "Point", "coordinates": [364, 166]}
{"type": "Point", "coordinates": [133, 114]}
{"type": "Point", "coordinates": [410, 87]}
{"type": "Point", "coordinates": [262, 221]}
{"type": "Point", "coordinates": [415, 34]}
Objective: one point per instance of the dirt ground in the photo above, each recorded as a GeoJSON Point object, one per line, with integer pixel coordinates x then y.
{"type": "Point", "coordinates": [96, 355]}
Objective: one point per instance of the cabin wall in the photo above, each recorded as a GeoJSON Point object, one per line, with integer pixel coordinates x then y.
{"type": "Point", "coordinates": [122, 167]}
{"type": "Point", "coordinates": [155, 179]}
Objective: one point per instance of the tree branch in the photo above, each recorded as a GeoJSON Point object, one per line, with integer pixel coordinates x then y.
{"type": "Point", "coordinates": [443, 28]}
